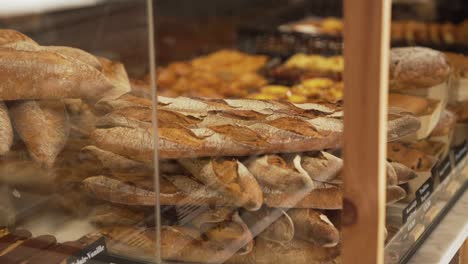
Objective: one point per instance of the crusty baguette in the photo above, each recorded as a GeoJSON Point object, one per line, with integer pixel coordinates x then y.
{"type": "Point", "coordinates": [43, 126]}
{"type": "Point", "coordinates": [78, 54]}
{"type": "Point", "coordinates": [119, 192]}
{"type": "Point", "coordinates": [117, 75]}
{"type": "Point", "coordinates": [48, 75]}
{"type": "Point", "coordinates": [417, 67]}
{"type": "Point", "coordinates": [296, 251]}
{"type": "Point", "coordinates": [6, 130]}
{"type": "Point", "coordinates": [12, 37]}
{"type": "Point", "coordinates": [111, 215]}
{"type": "Point", "coordinates": [314, 227]}
{"type": "Point", "coordinates": [227, 128]}
{"type": "Point", "coordinates": [105, 159]}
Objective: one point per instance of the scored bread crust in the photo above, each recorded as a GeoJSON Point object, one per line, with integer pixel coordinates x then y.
{"type": "Point", "coordinates": [417, 67]}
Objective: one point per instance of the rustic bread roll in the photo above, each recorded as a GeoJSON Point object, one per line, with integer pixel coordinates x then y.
{"type": "Point", "coordinates": [314, 227]}
{"type": "Point", "coordinates": [417, 67]}
{"type": "Point", "coordinates": [414, 104]}
{"type": "Point", "coordinates": [177, 244]}
{"type": "Point", "coordinates": [6, 130]}
{"type": "Point", "coordinates": [445, 125]}
{"type": "Point", "coordinates": [394, 194]}
{"type": "Point", "coordinates": [275, 172]}
{"type": "Point", "coordinates": [270, 223]}
{"type": "Point", "coordinates": [404, 174]}
{"type": "Point", "coordinates": [322, 166]}
{"type": "Point", "coordinates": [43, 126]}
{"type": "Point", "coordinates": [48, 75]}
{"type": "Point", "coordinates": [225, 227]}
{"type": "Point", "coordinates": [228, 177]}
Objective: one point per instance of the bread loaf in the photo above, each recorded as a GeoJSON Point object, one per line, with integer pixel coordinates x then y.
{"type": "Point", "coordinates": [43, 126]}
{"type": "Point", "coordinates": [271, 224]}
{"type": "Point", "coordinates": [229, 177]}
{"type": "Point", "coordinates": [6, 130]}
{"type": "Point", "coordinates": [48, 75]}
{"type": "Point", "coordinates": [417, 67]}
{"type": "Point", "coordinates": [314, 227]}
{"type": "Point", "coordinates": [296, 251]}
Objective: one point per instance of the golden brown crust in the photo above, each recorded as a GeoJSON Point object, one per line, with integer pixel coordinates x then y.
{"type": "Point", "coordinates": [296, 251]}
{"type": "Point", "coordinates": [6, 130]}
{"type": "Point", "coordinates": [417, 68]}
{"type": "Point", "coordinates": [43, 126]}
{"type": "Point", "coordinates": [48, 75]}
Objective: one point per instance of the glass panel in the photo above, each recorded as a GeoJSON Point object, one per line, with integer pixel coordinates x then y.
{"type": "Point", "coordinates": [215, 151]}
{"type": "Point", "coordinates": [68, 191]}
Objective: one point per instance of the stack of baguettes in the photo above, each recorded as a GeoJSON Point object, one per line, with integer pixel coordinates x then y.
{"type": "Point", "coordinates": [45, 94]}
{"type": "Point", "coordinates": [236, 171]}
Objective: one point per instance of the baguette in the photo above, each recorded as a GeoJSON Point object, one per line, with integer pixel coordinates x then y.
{"type": "Point", "coordinates": [117, 75]}
{"type": "Point", "coordinates": [105, 159]}
{"type": "Point", "coordinates": [43, 126]}
{"type": "Point", "coordinates": [417, 67]}
{"type": "Point", "coordinates": [6, 130]}
{"type": "Point", "coordinates": [201, 128]}
{"type": "Point", "coordinates": [111, 215]}
{"type": "Point", "coordinates": [9, 37]}
{"type": "Point", "coordinates": [48, 75]}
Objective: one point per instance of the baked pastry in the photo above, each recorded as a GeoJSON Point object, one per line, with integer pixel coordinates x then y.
{"type": "Point", "coordinates": [6, 130]}
{"type": "Point", "coordinates": [417, 67]}
{"type": "Point", "coordinates": [312, 226]}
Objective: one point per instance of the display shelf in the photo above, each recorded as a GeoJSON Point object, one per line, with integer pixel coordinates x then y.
{"type": "Point", "coordinates": [429, 213]}
{"type": "Point", "coordinates": [447, 237]}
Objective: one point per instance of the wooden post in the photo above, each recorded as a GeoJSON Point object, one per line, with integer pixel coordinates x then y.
{"type": "Point", "coordinates": [366, 52]}
{"type": "Point", "coordinates": [463, 253]}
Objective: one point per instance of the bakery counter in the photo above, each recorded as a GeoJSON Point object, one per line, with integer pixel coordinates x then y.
{"type": "Point", "coordinates": [447, 237]}
{"type": "Point", "coordinates": [433, 213]}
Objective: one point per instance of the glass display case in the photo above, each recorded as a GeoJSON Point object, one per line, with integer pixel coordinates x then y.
{"type": "Point", "coordinates": [267, 133]}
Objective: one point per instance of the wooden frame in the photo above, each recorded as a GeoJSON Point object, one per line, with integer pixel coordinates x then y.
{"type": "Point", "coordinates": [367, 26]}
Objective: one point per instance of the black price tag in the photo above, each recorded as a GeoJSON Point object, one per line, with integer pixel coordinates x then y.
{"type": "Point", "coordinates": [410, 209]}
{"type": "Point", "coordinates": [88, 254]}
{"type": "Point", "coordinates": [423, 193]}
{"type": "Point", "coordinates": [445, 167]}
{"type": "Point", "coordinates": [459, 152]}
